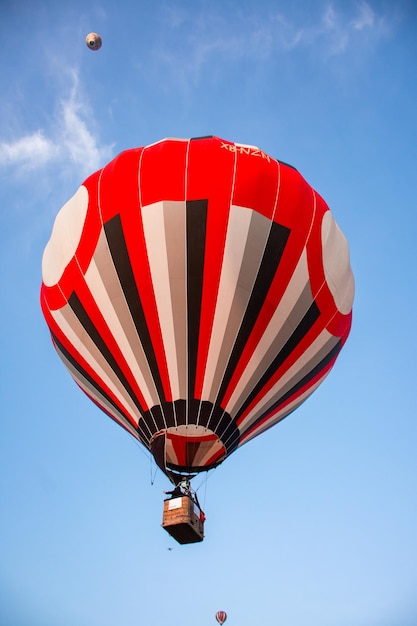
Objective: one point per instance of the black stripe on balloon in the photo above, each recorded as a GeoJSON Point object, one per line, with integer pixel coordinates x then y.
{"type": "Point", "coordinates": [202, 137]}
{"type": "Point", "coordinates": [196, 219]}
{"type": "Point", "coordinates": [311, 374]}
{"type": "Point", "coordinates": [220, 422]}
{"type": "Point", "coordinates": [299, 333]}
{"type": "Point", "coordinates": [180, 408]}
{"type": "Point", "coordinates": [157, 418]}
{"type": "Point", "coordinates": [118, 250]}
{"type": "Point", "coordinates": [287, 164]}
{"type": "Point", "coordinates": [89, 327]}
{"type": "Point", "coordinates": [83, 374]}
{"type": "Point", "coordinates": [277, 240]}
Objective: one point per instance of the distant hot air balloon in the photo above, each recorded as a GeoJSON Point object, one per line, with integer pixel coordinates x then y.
{"type": "Point", "coordinates": [198, 291]}
{"type": "Point", "coordinates": [221, 617]}
{"type": "Point", "coordinates": [93, 41]}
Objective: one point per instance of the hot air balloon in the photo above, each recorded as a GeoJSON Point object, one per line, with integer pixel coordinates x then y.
{"type": "Point", "coordinates": [221, 617]}
{"type": "Point", "coordinates": [93, 41]}
{"type": "Point", "coordinates": [198, 291]}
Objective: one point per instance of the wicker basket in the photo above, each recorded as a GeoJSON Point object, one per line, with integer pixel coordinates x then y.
{"type": "Point", "coordinates": [183, 520]}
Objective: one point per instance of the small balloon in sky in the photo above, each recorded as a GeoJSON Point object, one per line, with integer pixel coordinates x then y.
{"type": "Point", "coordinates": [93, 41]}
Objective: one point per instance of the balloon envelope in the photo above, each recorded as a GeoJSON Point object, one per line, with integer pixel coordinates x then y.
{"type": "Point", "coordinates": [221, 617]}
{"type": "Point", "coordinates": [93, 41]}
{"type": "Point", "coordinates": [198, 291]}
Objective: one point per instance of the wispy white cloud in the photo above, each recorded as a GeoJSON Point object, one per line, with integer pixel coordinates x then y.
{"type": "Point", "coordinates": [366, 17]}
{"type": "Point", "coordinates": [76, 131]}
{"type": "Point", "coordinates": [31, 151]}
{"type": "Point", "coordinates": [337, 30]}
{"type": "Point", "coordinates": [71, 138]}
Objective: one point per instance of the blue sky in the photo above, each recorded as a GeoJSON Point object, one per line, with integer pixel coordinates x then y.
{"type": "Point", "coordinates": [314, 522]}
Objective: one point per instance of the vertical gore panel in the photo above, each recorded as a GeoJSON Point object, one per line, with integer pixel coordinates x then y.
{"type": "Point", "coordinates": [304, 381]}
{"type": "Point", "coordinates": [298, 335]}
{"type": "Point", "coordinates": [196, 239]}
{"type": "Point", "coordinates": [275, 245]}
{"type": "Point", "coordinates": [84, 375]}
{"type": "Point", "coordinates": [120, 256]}
{"type": "Point", "coordinates": [95, 336]}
